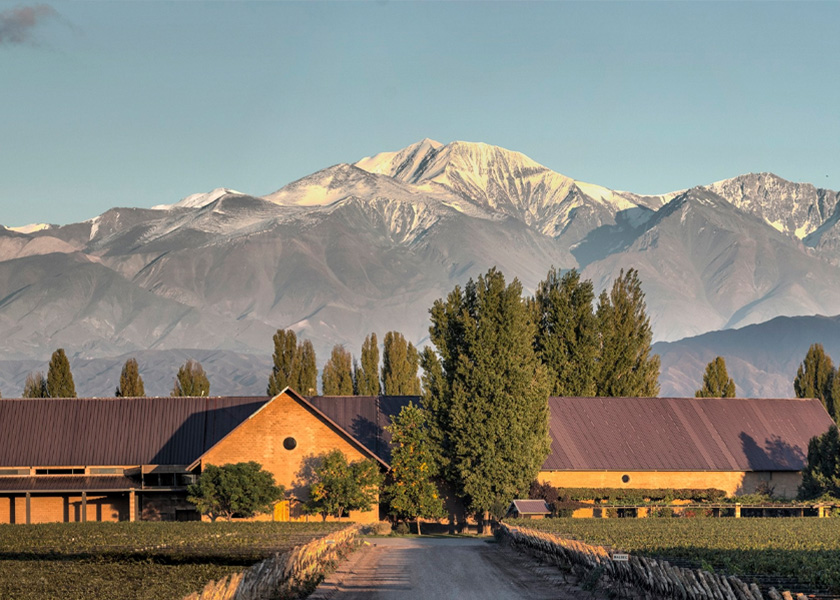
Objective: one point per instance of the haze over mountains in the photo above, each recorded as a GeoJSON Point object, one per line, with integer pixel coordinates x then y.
{"type": "Point", "coordinates": [369, 246]}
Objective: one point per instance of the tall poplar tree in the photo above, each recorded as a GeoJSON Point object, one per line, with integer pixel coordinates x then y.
{"type": "Point", "coordinates": [400, 362]}
{"type": "Point", "coordinates": [716, 381]}
{"type": "Point", "coordinates": [567, 332]}
{"type": "Point", "coordinates": [35, 386]}
{"type": "Point", "coordinates": [488, 396]}
{"type": "Point", "coordinates": [307, 383]}
{"type": "Point", "coordinates": [366, 374]}
{"type": "Point", "coordinates": [131, 384]}
{"type": "Point", "coordinates": [191, 380]}
{"type": "Point", "coordinates": [59, 378]}
{"type": "Point", "coordinates": [286, 370]}
{"type": "Point", "coordinates": [337, 377]}
{"type": "Point", "coordinates": [815, 378]}
{"type": "Point", "coordinates": [626, 366]}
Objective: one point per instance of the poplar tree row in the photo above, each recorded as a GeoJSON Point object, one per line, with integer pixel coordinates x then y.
{"type": "Point", "coordinates": [342, 375]}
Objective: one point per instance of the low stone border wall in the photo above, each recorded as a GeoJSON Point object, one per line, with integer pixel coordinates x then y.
{"type": "Point", "coordinates": [282, 575]}
{"type": "Point", "coordinates": [654, 577]}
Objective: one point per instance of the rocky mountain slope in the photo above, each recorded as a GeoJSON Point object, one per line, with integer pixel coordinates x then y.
{"type": "Point", "coordinates": [369, 246]}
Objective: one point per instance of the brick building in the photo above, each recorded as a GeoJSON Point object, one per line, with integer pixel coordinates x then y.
{"type": "Point", "coordinates": [131, 458]}
{"type": "Point", "coordinates": [113, 459]}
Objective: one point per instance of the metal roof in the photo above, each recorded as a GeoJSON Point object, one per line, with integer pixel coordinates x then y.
{"type": "Point", "coordinates": [116, 431]}
{"type": "Point", "coordinates": [682, 434]}
{"type": "Point", "coordinates": [365, 417]}
{"type": "Point", "coordinates": [531, 507]}
{"type": "Point", "coordinates": [64, 483]}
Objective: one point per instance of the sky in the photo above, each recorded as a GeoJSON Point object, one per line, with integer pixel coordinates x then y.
{"type": "Point", "coordinates": [106, 104]}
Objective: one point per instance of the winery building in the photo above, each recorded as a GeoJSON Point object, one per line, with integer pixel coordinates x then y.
{"type": "Point", "coordinates": [109, 459]}
{"type": "Point", "coordinates": [115, 459]}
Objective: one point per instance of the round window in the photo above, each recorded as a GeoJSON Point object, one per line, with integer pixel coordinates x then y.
{"type": "Point", "coordinates": [625, 478]}
{"type": "Point", "coordinates": [290, 443]}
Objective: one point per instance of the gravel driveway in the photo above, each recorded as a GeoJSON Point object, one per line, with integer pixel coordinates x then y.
{"type": "Point", "coordinates": [460, 568]}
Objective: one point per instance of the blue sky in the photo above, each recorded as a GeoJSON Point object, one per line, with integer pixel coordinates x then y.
{"type": "Point", "coordinates": [143, 103]}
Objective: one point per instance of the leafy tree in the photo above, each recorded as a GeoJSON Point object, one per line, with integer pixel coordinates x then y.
{"type": "Point", "coordinates": [337, 377]}
{"type": "Point", "coordinates": [716, 381]}
{"type": "Point", "coordinates": [191, 380]}
{"type": "Point", "coordinates": [366, 375]}
{"type": "Point", "coordinates": [131, 384]}
{"type": "Point", "coordinates": [821, 475]}
{"type": "Point", "coordinates": [339, 487]}
{"type": "Point", "coordinates": [59, 378]}
{"type": "Point", "coordinates": [626, 366]}
{"type": "Point", "coordinates": [307, 383]}
{"type": "Point", "coordinates": [35, 386]}
{"type": "Point", "coordinates": [815, 378]}
{"type": "Point", "coordinates": [399, 366]}
{"type": "Point", "coordinates": [487, 393]}
{"type": "Point", "coordinates": [243, 489]}
{"type": "Point", "coordinates": [410, 489]}
{"type": "Point", "coordinates": [286, 370]}
{"type": "Point", "coordinates": [567, 332]}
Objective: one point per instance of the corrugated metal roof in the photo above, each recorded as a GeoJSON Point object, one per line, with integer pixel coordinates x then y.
{"type": "Point", "coordinates": [116, 431]}
{"type": "Point", "coordinates": [364, 417]}
{"type": "Point", "coordinates": [682, 434]}
{"type": "Point", "coordinates": [66, 484]}
{"type": "Point", "coordinates": [531, 507]}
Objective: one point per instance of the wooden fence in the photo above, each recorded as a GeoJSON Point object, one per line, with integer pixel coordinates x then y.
{"type": "Point", "coordinates": [282, 575]}
{"type": "Point", "coordinates": [658, 578]}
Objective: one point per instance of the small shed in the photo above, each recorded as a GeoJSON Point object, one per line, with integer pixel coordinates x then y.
{"type": "Point", "coordinates": [528, 509]}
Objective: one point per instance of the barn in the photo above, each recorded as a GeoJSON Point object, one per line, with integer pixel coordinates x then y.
{"type": "Point", "coordinates": [732, 444]}
{"type": "Point", "coordinates": [111, 459]}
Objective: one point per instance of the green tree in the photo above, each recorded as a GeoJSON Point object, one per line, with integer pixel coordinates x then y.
{"type": "Point", "coordinates": [821, 475]}
{"type": "Point", "coordinates": [243, 489]}
{"type": "Point", "coordinates": [191, 380]}
{"type": "Point", "coordinates": [567, 332]}
{"type": "Point", "coordinates": [286, 370]}
{"type": "Point", "coordinates": [337, 487]}
{"type": "Point", "coordinates": [307, 383]}
{"type": "Point", "coordinates": [59, 378]}
{"type": "Point", "coordinates": [410, 489]}
{"type": "Point", "coordinates": [337, 377]}
{"type": "Point", "coordinates": [487, 395]}
{"type": "Point", "coordinates": [716, 381]}
{"type": "Point", "coordinates": [366, 375]}
{"type": "Point", "coordinates": [35, 386]}
{"type": "Point", "coordinates": [815, 378]}
{"type": "Point", "coordinates": [400, 362]}
{"type": "Point", "coordinates": [626, 366]}
{"type": "Point", "coordinates": [131, 384]}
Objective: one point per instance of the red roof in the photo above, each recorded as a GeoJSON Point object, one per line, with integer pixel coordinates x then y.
{"type": "Point", "coordinates": [682, 434]}
{"type": "Point", "coordinates": [116, 431]}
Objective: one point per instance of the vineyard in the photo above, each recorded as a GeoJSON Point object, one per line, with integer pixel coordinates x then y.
{"type": "Point", "coordinates": [806, 550]}
{"type": "Point", "coordinates": [135, 561]}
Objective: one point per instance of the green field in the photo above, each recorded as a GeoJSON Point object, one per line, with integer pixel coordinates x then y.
{"type": "Point", "coordinates": [805, 549]}
{"type": "Point", "coordinates": [135, 561]}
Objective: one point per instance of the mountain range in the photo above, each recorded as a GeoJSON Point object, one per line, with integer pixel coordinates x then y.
{"type": "Point", "coordinates": [369, 246]}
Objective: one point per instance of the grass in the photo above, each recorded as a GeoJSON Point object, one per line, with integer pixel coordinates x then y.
{"type": "Point", "coordinates": [135, 561]}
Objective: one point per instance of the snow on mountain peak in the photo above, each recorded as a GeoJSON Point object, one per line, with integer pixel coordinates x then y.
{"type": "Point", "coordinates": [31, 228]}
{"type": "Point", "coordinates": [199, 200]}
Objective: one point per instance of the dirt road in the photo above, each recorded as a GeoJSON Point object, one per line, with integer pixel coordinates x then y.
{"type": "Point", "coordinates": [459, 568]}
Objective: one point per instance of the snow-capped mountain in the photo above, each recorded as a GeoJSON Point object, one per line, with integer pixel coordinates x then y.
{"type": "Point", "coordinates": [368, 246]}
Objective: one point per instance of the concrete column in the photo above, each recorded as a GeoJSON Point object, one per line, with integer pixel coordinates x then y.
{"type": "Point", "coordinates": [84, 507]}
{"type": "Point", "coordinates": [132, 506]}
{"type": "Point", "coordinates": [29, 508]}
{"type": "Point", "coordinates": [737, 510]}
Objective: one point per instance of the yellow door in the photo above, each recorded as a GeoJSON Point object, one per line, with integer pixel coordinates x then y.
{"type": "Point", "coordinates": [281, 511]}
